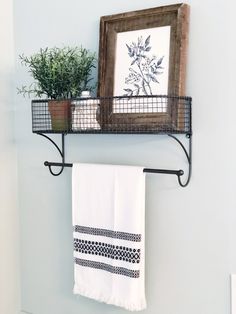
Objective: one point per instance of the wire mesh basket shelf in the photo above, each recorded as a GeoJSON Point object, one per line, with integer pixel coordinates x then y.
{"type": "Point", "coordinates": [134, 114]}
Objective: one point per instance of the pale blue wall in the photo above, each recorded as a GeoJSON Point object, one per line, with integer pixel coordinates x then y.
{"type": "Point", "coordinates": [9, 219]}
{"type": "Point", "coordinates": [190, 232]}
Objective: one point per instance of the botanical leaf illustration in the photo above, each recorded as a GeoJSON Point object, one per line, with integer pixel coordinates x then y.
{"type": "Point", "coordinates": [160, 60]}
{"type": "Point", "coordinates": [152, 77]}
{"type": "Point", "coordinates": [128, 90]}
{"type": "Point", "coordinates": [143, 70]}
{"type": "Point", "coordinates": [147, 41]}
{"type": "Point", "coordinates": [133, 62]}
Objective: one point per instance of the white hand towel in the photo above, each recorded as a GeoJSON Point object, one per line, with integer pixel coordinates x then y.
{"type": "Point", "coordinates": [108, 218]}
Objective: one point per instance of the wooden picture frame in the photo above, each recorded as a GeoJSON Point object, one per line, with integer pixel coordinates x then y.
{"type": "Point", "coordinates": [147, 27]}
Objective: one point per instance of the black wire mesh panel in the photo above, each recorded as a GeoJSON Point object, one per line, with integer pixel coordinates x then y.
{"type": "Point", "coordinates": [136, 114]}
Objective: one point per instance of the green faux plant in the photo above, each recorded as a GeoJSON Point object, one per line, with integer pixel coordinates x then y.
{"type": "Point", "coordinates": [59, 73]}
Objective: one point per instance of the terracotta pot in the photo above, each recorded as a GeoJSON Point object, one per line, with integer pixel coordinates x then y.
{"type": "Point", "coordinates": [60, 111]}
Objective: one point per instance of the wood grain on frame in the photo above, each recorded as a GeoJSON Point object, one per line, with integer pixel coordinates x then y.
{"type": "Point", "coordinates": [177, 17]}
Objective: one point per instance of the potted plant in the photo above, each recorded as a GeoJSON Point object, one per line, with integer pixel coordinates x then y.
{"type": "Point", "coordinates": [59, 74]}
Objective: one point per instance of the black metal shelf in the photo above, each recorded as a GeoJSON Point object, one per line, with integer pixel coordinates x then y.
{"type": "Point", "coordinates": [158, 115]}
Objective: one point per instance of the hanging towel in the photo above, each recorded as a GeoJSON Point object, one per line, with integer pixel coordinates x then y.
{"type": "Point", "coordinates": [108, 219]}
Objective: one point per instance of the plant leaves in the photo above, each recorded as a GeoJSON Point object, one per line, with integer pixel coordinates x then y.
{"type": "Point", "coordinates": [154, 70]}
{"type": "Point", "coordinates": [128, 90]}
{"type": "Point", "coordinates": [153, 78]}
{"type": "Point", "coordinates": [160, 61]}
{"type": "Point", "coordinates": [147, 41]}
{"type": "Point", "coordinates": [129, 49]}
{"type": "Point", "coordinates": [136, 91]}
{"type": "Point", "coordinates": [144, 89]}
{"type": "Point", "coordinates": [133, 62]}
{"type": "Point", "coordinates": [59, 72]}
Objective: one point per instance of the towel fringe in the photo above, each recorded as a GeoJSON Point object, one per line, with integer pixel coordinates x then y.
{"type": "Point", "coordinates": [138, 306]}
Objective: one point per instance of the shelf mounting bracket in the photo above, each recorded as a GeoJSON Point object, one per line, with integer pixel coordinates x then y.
{"type": "Point", "coordinates": [188, 155]}
{"type": "Point", "coordinates": [61, 152]}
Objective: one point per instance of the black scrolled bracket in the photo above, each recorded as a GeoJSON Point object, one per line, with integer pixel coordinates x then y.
{"type": "Point", "coordinates": [61, 152]}
{"type": "Point", "coordinates": [188, 155]}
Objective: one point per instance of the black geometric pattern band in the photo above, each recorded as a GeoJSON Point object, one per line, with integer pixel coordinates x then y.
{"type": "Point", "coordinates": [107, 250]}
{"type": "Point", "coordinates": [108, 233]}
{"type": "Point", "coordinates": [112, 269]}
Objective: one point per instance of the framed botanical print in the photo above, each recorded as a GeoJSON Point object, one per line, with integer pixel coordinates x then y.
{"type": "Point", "coordinates": [142, 54]}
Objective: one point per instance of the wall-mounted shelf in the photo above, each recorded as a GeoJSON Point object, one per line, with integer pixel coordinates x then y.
{"type": "Point", "coordinates": [164, 115]}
